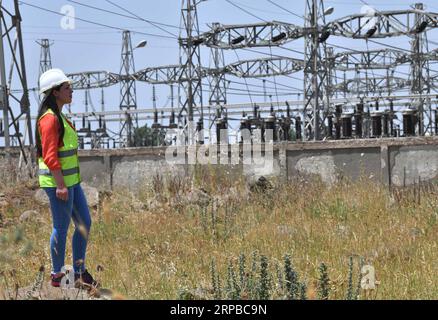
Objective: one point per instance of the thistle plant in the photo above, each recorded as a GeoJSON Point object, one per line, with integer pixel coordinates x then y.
{"type": "Point", "coordinates": [215, 281]}
{"type": "Point", "coordinates": [264, 285]}
{"type": "Point", "coordinates": [323, 283]}
{"type": "Point", "coordinates": [350, 295]}
{"type": "Point", "coordinates": [242, 272]}
{"type": "Point", "coordinates": [292, 285]}
{"type": "Point", "coordinates": [303, 289]}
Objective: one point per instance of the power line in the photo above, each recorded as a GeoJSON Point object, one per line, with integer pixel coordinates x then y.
{"type": "Point", "coordinates": [259, 9]}
{"type": "Point", "coordinates": [132, 16]}
{"type": "Point", "coordinates": [244, 10]}
{"type": "Point", "coordinates": [292, 13]}
{"type": "Point", "coordinates": [140, 18]}
{"type": "Point", "coordinates": [92, 22]}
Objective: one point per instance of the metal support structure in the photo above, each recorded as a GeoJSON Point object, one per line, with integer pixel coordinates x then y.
{"type": "Point", "coordinates": [217, 81]}
{"type": "Point", "coordinates": [45, 57]}
{"type": "Point", "coordinates": [128, 95]}
{"type": "Point", "coordinates": [190, 91]}
{"type": "Point", "coordinates": [315, 73]}
{"type": "Point", "coordinates": [420, 76]}
{"type": "Point", "coordinates": [10, 22]}
{"type": "Point", "coordinates": [251, 35]}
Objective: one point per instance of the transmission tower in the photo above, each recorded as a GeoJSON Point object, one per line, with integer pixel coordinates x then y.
{"type": "Point", "coordinates": [315, 71]}
{"type": "Point", "coordinates": [420, 75]}
{"type": "Point", "coordinates": [10, 20]}
{"type": "Point", "coordinates": [45, 57]}
{"type": "Point", "coordinates": [190, 60]}
{"type": "Point", "coordinates": [128, 97]}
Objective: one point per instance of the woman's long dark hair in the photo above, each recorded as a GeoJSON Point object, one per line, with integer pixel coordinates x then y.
{"type": "Point", "coordinates": [49, 102]}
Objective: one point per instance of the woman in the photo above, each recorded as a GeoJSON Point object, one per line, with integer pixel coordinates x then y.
{"type": "Point", "coordinates": [59, 176]}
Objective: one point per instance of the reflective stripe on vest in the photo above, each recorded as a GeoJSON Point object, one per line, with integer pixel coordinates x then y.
{"type": "Point", "coordinates": [67, 153]}
{"type": "Point", "coordinates": [68, 158]}
{"type": "Point", "coordinates": [66, 172]}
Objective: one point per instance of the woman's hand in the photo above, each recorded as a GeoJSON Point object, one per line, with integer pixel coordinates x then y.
{"type": "Point", "coordinates": [62, 193]}
{"type": "Point", "coordinates": [61, 189]}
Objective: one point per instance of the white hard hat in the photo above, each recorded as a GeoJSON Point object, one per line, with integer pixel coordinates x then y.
{"type": "Point", "coordinates": [52, 78]}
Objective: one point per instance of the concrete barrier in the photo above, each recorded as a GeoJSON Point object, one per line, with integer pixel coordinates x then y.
{"type": "Point", "coordinates": [395, 161]}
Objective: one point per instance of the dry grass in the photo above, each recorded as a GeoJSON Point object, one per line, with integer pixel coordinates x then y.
{"type": "Point", "coordinates": [159, 253]}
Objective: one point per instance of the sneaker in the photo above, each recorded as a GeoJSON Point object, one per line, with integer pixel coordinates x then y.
{"type": "Point", "coordinates": [85, 281]}
{"type": "Point", "coordinates": [56, 279]}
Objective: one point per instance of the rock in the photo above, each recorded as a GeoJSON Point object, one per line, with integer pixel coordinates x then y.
{"type": "Point", "coordinates": [198, 197]}
{"type": "Point", "coordinates": [261, 185]}
{"type": "Point", "coordinates": [41, 197]}
{"type": "Point", "coordinates": [30, 215]}
{"type": "Point", "coordinates": [3, 203]}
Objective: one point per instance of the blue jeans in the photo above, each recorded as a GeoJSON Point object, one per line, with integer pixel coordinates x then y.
{"type": "Point", "coordinates": [75, 208]}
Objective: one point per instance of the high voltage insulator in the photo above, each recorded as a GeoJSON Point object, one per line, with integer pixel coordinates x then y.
{"type": "Point", "coordinates": [251, 35]}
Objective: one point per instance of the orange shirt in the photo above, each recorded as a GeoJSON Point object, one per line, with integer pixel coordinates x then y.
{"type": "Point", "coordinates": [49, 126]}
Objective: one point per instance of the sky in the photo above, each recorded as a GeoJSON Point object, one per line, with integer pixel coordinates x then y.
{"type": "Point", "coordinates": [90, 47]}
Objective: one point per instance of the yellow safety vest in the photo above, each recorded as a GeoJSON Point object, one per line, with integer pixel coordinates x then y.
{"type": "Point", "coordinates": [68, 157]}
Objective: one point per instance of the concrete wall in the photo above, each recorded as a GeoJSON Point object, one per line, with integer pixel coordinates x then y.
{"type": "Point", "coordinates": [400, 161]}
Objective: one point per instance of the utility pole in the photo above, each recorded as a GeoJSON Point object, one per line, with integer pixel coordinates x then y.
{"type": "Point", "coordinates": [128, 96]}
{"type": "Point", "coordinates": [190, 60]}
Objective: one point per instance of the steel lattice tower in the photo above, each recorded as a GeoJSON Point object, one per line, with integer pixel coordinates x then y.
{"type": "Point", "coordinates": [315, 72]}
{"type": "Point", "coordinates": [420, 75]}
{"type": "Point", "coordinates": [128, 96]}
{"type": "Point", "coordinates": [11, 21]}
{"type": "Point", "coordinates": [45, 57]}
{"type": "Point", "coordinates": [190, 91]}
